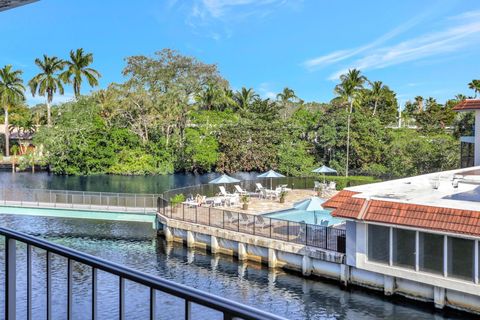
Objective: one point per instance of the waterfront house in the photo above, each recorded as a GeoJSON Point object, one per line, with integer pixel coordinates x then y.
{"type": "Point", "coordinates": [470, 151]}
{"type": "Point", "coordinates": [416, 236]}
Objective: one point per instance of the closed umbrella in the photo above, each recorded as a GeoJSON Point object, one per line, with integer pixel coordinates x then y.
{"type": "Point", "coordinates": [324, 169]}
{"type": "Point", "coordinates": [271, 174]}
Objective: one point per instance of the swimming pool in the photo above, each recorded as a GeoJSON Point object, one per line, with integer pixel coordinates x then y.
{"type": "Point", "coordinates": [310, 217]}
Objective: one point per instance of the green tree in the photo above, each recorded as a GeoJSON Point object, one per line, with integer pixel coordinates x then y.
{"type": "Point", "coordinates": [286, 99]}
{"type": "Point", "coordinates": [48, 81]}
{"type": "Point", "coordinates": [347, 89]}
{"type": "Point", "coordinates": [245, 98]}
{"type": "Point", "coordinates": [12, 91]}
{"type": "Point", "coordinates": [78, 68]}
{"type": "Point", "coordinates": [475, 86]}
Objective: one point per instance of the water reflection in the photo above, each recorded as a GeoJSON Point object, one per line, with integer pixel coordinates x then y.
{"type": "Point", "coordinates": [133, 245]}
{"type": "Point", "coordinates": [108, 183]}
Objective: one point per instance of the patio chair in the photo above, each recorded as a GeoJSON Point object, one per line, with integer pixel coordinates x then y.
{"type": "Point", "coordinates": [233, 201]}
{"type": "Point", "coordinates": [260, 221]}
{"type": "Point", "coordinates": [285, 187]}
{"type": "Point", "coordinates": [217, 202]}
{"type": "Point", "coordinates": [259, 186]}
{"type": "Point", "coordinates": [317, 186]}
{"type": "Point", "coordinates": [240, 190]}
{"type": "Point", "coordinates": [332, 186]}
{"type": "Point", "coordinates": [224, 192]}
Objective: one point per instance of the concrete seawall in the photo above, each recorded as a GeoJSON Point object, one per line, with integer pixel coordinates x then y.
{"type": "Point", "coordinates": [309, 261]}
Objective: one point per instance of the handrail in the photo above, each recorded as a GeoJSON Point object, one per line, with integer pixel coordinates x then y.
{"type": "Point", "coordinates": [82, 191]}
{"type": "Point", "coordinates": [230, 309]}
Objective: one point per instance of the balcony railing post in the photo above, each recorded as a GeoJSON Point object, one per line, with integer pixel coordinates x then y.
{"type": "Point", "coordinates": [94, 293]}
{"type": "Point", "coordinates": [152, 304]}
{"type": "Point", "coordinates": [188, 310]}
{"type": "Point", "coordinates": [196, 214]}
{"type": "Point", "coordinates": [121, 302]}
{"type": "Point", "coordinates": [69, 289]}
{"type": "Point", "coordinates": [209, 216]}
{"type": "Point", "coordinates": [10, 279]}
{"type": "Point", "coordinates": [49, 285]}
{"type": "Point", "coordinates": [29, 282]}
{"type": "Point", "coordinates": [270, 228]}
{"type": "Point", "coordinates": [254, 222]}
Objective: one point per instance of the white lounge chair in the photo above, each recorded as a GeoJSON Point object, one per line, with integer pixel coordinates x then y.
{"type": "Point", "coordinates": [259, 186]}
{"type": "Point", "coordinates": [240, 190]}
{"type": "Point", "coordinates": [224, 192]}
{"type": "Point", "coordinates": [332, 186]}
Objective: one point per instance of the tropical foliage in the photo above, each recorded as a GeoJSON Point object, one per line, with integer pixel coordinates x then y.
{"type": "Point", "coordinates": [175, 113]}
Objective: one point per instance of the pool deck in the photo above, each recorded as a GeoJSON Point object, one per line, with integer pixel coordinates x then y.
{"type": "Point", "coordinates": [260, 206]}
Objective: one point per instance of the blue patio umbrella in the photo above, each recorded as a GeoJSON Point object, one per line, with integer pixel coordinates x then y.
{"type": "Point", "coordinates": [324, 169]}
{"type": "Point", "coordinates": [312, 205]}
{"type": "Point", "coordinates": [224, 179]}
{"type": "Point", "coordinates": [271, 174]}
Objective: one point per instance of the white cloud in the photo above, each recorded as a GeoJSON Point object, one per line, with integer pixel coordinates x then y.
{"type": "Point", "coordinates": [341, 55]}
{"type": "Point", "coordinates": [214, 18]}
{"type": "Point", "coordinates": [265, 90]}
{"type": "Point", "coordinates": [68, 96]}
{"type": "Point", "coordinates": [459, 32]}
{"type": "Point", "coordinates": [421, 47]}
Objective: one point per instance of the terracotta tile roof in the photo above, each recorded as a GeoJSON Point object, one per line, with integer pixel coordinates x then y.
{"type": "Point", "coordinates": [350, 208]}
{"type": "Point", "coordinates": [468, 104]}
{"type": "Point", "coordinates": [407, 214]}
{"type": "Point", "coordinates": [338, 199]}
{"type": "Point", "coordinates": [425, 217]}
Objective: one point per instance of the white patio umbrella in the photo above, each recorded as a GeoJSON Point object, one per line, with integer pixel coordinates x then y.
{"type": "Point", "coordinates": [324, 169]}
{"type": "Point", "coordinates": [271, 174]}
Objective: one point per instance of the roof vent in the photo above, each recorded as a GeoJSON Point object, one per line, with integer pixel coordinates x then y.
{"type": "Point", "coordinates": [435, 182]}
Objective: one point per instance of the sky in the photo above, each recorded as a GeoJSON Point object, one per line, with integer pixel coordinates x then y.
{"type": "Point", "coordinates": [427, 48]}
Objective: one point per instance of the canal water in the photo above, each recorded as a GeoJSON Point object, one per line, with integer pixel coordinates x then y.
{"type": "Point", "coordinates": [134, 245]}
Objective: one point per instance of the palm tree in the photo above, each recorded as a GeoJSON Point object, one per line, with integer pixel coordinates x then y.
{"type": "Point", "coordinates": [285, 98]}
{"type": "Point", "coordinates": [419, 102]}
{"type": "Point", "coordinates": [350, 84]}
{"type": "Point", "coordinates": [475, 86]}
{"type": "Point", "coordinates": [48, 81]}
{"type": "Point", "coordinates": [11, 91]}
{"type": "Point", "coordinates": [245, 98]}
{"type": "Point", "coordinates": [77, 69]}
{"type": "Point", "coordinates": [377, 92]}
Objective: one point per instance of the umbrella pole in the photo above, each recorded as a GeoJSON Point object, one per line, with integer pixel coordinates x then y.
{"type": "Point", "coordinates": [271, 185]}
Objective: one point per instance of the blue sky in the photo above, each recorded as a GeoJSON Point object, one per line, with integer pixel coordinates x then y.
{"type": "Point", "coordinates": [428, 48]}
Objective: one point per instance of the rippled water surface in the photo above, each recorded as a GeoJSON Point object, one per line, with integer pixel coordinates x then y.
{"type": "Point", "coordinates": [135, 245]}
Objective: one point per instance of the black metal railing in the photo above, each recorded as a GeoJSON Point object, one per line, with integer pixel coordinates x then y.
{"type": "Point", "coordinates": [189, 296]}
{"type": "Point", "coordinates": [328, 238]}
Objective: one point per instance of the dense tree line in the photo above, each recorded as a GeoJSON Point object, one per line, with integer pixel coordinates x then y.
{"type": "Point", "coordinates": [175, 113]}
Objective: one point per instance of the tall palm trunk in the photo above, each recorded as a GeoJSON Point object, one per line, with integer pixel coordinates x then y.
{"type": "Point", "coordinates": [348, 136]}
{"type": "Point", "coordinates": [49, 114]}
{"type": "Point", "coordinates": [375, 107]}
{"type": "Point", "coordinates": [49, 110]}
{"type": "Point", "coordinates": [7, 134]}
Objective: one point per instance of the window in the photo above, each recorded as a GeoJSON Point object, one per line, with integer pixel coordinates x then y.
{"type": "Point", "coordinates": [378, 243]}
{"type": "Point", "coordinates": [403, 247]}
{"type": "Point", "coordinates": [431, 252]}
{"type": "Point", "coordinates": [460, 258]}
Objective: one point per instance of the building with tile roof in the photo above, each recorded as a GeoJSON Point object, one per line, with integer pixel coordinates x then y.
{"type": "Point", "coordinates": [424, 230]}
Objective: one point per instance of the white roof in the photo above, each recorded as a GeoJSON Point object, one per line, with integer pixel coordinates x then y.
{"type": "Point", "coordinates": [434, 189]}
